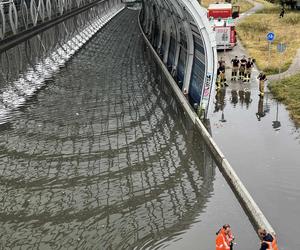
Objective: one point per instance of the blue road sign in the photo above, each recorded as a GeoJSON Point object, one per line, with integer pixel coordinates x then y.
{"type": "Point", "coordinates": [281, 47]}
{"type": "Point", "coordinates": [270, 36]}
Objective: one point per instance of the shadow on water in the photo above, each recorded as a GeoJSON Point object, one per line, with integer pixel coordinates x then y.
{"type": "Point", "coordinates": [102, 156]}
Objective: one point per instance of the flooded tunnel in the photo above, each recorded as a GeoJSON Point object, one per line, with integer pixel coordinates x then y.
{"type": "Point", "coordinates": [101, 156]}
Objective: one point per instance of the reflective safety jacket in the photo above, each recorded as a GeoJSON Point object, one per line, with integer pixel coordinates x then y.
{"type": "Point", "coordinates": [222, 242]}
{"type": "Point", "coordinates": [270, 241]}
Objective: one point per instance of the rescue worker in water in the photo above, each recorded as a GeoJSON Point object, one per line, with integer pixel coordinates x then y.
{"type": "Point", "coordinates": [235, 67]}
{"type": "Point", "coordinates": [268, 241]}
{"type": "Point", "coordinates": [262, 78]}
{"type": "Point", "coordinates": [242, 68]}
{"type": "Point", "coordinates": [224, 240]}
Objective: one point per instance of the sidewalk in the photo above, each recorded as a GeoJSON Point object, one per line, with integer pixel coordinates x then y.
{"type": "Point", "coordinates": [292, 70]}
{"type": "Point", "coordinates": [262, 144]}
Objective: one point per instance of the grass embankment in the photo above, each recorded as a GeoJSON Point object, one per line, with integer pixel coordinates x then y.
{"type": "Point", "coordinates": [244, 5]}
{"type": "Point", "coordinates": [252, 32]}
{"type": "Point", "coordinates": [288, 92]}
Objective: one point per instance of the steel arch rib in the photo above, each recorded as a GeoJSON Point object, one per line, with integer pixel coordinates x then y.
{"type": "Point", "coordinates": [175, 15]}
{"type": "Point", "coordinates": [199, 16]}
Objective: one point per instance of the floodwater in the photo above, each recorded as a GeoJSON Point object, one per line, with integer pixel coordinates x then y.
{"type": "Point", "coordinates": [102, 158]}
{"type": "Point", "coordinates": [263, 146]}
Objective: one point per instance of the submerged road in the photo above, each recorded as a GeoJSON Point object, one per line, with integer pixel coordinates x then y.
{"type": "Point", "coordinates": [101, 158]}
{"type": "Point", "coordinates": [262, 143]}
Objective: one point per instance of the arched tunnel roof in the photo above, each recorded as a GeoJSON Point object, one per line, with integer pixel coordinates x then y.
{"type": "Point", "coordinates": [180, 32]}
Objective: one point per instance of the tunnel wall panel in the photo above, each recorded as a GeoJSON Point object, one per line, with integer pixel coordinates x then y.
{"type": "Point", "coordinates": [181, 35]}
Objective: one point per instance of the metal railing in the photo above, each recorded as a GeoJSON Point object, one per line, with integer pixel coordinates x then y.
{"type": "Point", "coordinates": [20, 15]}
{"type": "Point", "coordinates": [34, 54]}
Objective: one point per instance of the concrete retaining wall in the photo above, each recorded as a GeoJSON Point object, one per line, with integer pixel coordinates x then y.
{"type": "Point", "coordinates": [256, 216]}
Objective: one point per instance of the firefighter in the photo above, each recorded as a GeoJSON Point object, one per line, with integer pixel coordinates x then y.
{"type": "Point", "coordinates": [224, 240]}
{"type": "Point", "coordinates": [235, 67]}
{"type": "Point", "coordinates": [221, 62]}
{"type": "Point", "coordinates": [221, 81]}
{"type": "Point", "coordinates": [262, 78]}
{"type": "Point", "coordinates": [219, 77]}
{"type": "Point", "coordinates": [268, 241]}
{"type": "Point", "coordinates": [242, 68]}
{"type": "Point", "coordinates": [249, 66]}
{"type": "Point", "coordinates": [218, 81]}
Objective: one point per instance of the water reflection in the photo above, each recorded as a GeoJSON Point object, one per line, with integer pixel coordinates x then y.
{"type": "Point", "coordinates": [237, 96]}
{"type": "Point", "coordinates": [260, 109]}
{"type": "Point", "coordinates": [234, 97]}
{"type": "Point", "coordinates": [248, 98]}
{"type": "Point", "coordinates": [263, 108]}
{"type": "Point", "coordinates": [242, 96]}
{"type": "Point", "coordinates": [276, 124]}
{"type": "Point", "coordinates": [220, 100]}
{"type": "Point", "coordinates": [101, 158]}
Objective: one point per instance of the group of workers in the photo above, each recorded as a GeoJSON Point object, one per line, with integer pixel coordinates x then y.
{"type": "Point", "coordinates": [225, 239]}
{"type": "Point", "coordinates": [243, 67]}
{"type": "Point", "coordinates": [241, 70]}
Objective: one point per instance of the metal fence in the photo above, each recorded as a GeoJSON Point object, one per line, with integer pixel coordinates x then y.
{"type": "Point", "coordinates": [26, 66]}
{"type": "Point", "coordinates": [20, 15]}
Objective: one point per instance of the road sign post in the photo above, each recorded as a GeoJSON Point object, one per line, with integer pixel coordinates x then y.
{"type": "Point", "coordinates": [270, 38]}
{"type": "Point", "coordinates": [281, 47]}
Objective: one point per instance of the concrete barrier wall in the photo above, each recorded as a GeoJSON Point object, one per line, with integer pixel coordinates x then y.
{"type": "Point", "coordinates": [256, 216]}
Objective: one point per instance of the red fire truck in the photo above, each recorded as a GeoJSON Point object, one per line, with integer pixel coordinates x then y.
{"type": "Point", "coordinates": [221, 17]}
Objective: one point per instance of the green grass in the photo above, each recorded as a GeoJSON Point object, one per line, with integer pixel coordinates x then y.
{"type": "Point", "coordinates": [252, 32]}
{"type": "Point", "coordinates": [288, 92]}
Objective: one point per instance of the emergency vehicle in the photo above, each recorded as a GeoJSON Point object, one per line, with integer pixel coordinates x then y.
{"type": "Point", "coordinates": [221, 17]}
